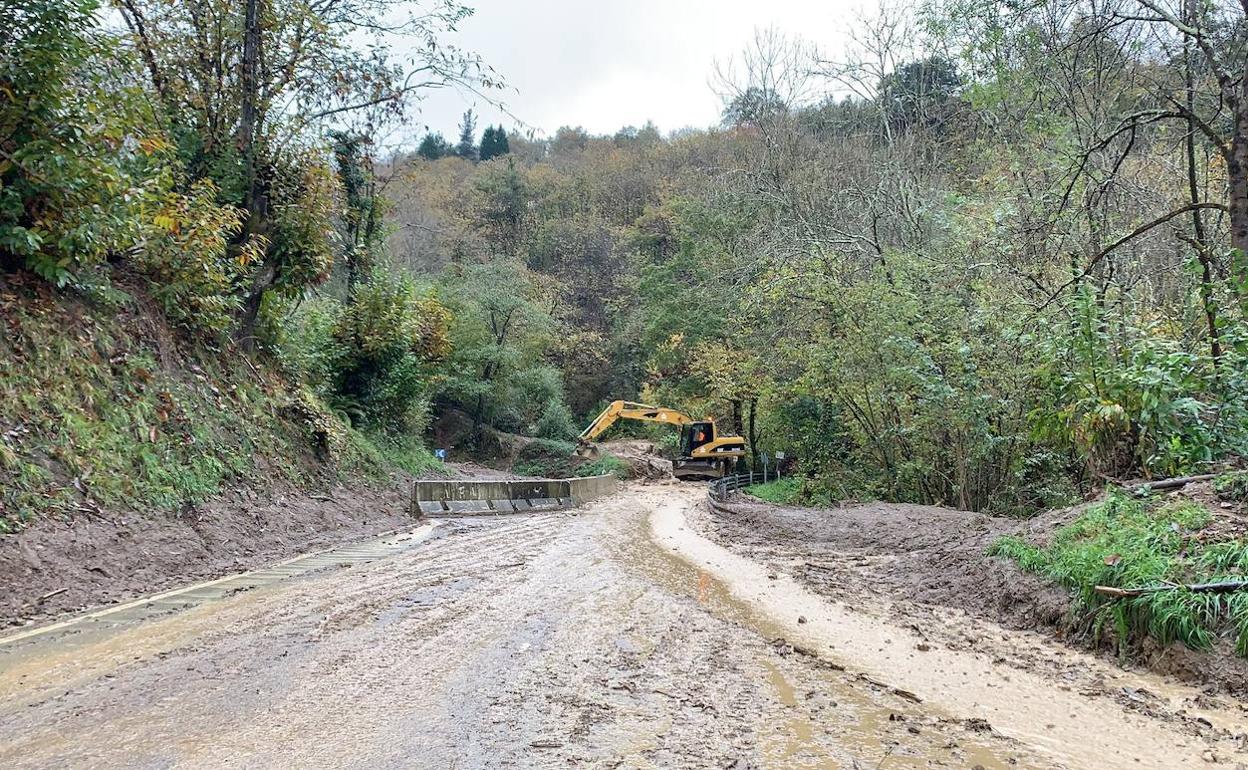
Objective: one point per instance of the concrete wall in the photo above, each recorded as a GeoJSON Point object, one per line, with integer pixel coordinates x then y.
{"type": "Point", "coordinates": [575, 491]}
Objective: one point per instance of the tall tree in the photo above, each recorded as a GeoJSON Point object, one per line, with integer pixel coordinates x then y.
{"type": "Point", "coordinates": [363, 204]}
{"type": "Point", "coordinates": [248, 87]}
{"type": "Point", "coordinates": [467, 147]}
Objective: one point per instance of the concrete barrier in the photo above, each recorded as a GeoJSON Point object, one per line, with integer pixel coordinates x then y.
{"type": "Point", "coordinates": [523, 494]}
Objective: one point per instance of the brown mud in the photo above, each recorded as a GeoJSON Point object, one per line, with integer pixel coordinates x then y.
{"type": "Point", "coordinates": [63, 565]}
{"type": "Point", "coordinates": [621, 635]}
{"type": "Point", "coordinates": [923, 560]}
{"type": "Point", "coordinates": [544, 641]}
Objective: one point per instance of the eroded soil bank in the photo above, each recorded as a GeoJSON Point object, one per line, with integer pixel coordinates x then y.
{"type": "Point", "coordinates": [56, 566]}
{"type": "Point", "coordinates": [916, 559]}
{"type": "Point", "coordinates": [64, 565]}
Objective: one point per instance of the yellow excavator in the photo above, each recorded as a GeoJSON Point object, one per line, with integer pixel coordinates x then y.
{"type": "Point", "coordinates": [704, 452]}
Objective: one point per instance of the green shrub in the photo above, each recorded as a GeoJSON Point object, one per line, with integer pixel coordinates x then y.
{"type": "Point", "coordinates": [381, 355]}
{"type": "Point", "coordinates": [189, 268]}
{"type": "Point", "coordinates": [555, 422]}
{"type": "Point", "coordinates": [1141, 401]}
{"type": "Point", "coordinates": [608, 464]}
{"type": "Point", "coordinates": [546, 458]}
{"type": "Point", "coordinates": [1131, 543]}
{"type": "Point", "coordinates": [71, 191]}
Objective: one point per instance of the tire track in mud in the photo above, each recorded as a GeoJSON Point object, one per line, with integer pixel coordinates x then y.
{"type": "Point", "coordinates": [281, 622]}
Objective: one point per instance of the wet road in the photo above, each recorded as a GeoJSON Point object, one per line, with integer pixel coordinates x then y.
{"type": "Point", "coordinates": [553, 640]}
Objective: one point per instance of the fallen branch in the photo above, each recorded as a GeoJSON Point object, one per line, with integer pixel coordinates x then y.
{"type": "Point", "coordinates": [1175, 483]}
{"type": "Point", "coordinates": [1225, 586]}
{"type": "Point", "coordinates": [50, 594]}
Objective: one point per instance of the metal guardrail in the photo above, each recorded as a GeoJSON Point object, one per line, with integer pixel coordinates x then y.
{"type": "Point", "coordinates": [718, 490]}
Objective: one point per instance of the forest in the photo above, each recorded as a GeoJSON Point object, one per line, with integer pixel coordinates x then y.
{"type": "Point", "coordinates": [991, 256]}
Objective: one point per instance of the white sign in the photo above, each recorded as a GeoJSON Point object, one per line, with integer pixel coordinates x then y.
{"type": "Point", "coordinates": [779, 456]}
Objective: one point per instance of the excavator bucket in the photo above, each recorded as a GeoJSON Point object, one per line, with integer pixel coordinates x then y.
{"type": "Point", "coordinates": [587, 450]}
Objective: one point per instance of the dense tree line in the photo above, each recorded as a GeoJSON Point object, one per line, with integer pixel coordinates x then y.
{"type": "Point", "coordinates": [988, 256]}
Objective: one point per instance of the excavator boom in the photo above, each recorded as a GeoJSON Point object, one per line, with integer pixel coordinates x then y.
{"type": "Point", "coordinates": [631, 410]}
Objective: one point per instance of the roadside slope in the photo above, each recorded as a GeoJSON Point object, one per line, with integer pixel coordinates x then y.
{"type": "Point", "coordinates": [133, 458]}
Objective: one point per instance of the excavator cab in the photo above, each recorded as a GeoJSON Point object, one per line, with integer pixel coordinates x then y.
{"type": "Point", "coordinates": [694, 435]}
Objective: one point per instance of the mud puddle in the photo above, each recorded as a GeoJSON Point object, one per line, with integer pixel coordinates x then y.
{"type": "Point", "coordinates": [880, 727]}
{"type": "Point", "coordinates": [1067, 728]}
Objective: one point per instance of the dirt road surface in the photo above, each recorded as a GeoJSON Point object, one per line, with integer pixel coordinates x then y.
{"type": "Point", "coordinates": [619, 636]}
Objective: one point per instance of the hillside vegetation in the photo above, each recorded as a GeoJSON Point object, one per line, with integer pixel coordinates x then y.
{"type": "Point", "coordinates": [985, 256]}
{"type": "Point", "coordinates": [1001, 272]}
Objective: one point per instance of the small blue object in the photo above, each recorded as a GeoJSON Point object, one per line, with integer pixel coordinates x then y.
{"type": "Point", "coordinates": [440, 454]}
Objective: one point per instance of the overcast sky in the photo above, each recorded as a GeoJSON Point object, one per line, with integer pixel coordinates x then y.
{"type": "Point", "coordinates": [604, 65]}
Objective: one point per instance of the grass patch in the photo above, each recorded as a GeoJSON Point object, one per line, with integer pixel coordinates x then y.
{"type": "Point", "coordinates": [372, 455]}
{"type": "Point", "coordinates": [1132, 543]}
{"type": "Point", "coordinates": [781, 492]}
{"type": "Point", "coordinates": [793, 490]}
{"type": "Point", "coordinates": [608, 464]}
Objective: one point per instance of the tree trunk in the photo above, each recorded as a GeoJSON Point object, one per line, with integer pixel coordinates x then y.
{"type": "Point", "coordinates": [249, 109]}
{"type": "Point", "coordinates": [1237, 177]}
{"type": "Point", "coordinates": [252, 304]}
{"type": "Point", "coordinates": [255, 199]}
{"type": "Point", "coordinates": [1237, 174]}
{"type": "Point", "coordinates": [753, 438]}
{"type": "Point", "coordinates": [1193, 190]}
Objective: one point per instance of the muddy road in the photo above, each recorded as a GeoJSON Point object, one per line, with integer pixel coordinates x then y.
{"type": "Point", "coordinates": [617, 637]}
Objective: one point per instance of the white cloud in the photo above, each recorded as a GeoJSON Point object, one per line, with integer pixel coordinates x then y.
{"type": "Point", "coordinates": [607, 65]}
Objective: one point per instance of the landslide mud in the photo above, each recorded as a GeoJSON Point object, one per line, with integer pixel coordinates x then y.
{"type": "Point", "coordinates": [611, 637]}
{"type": "Point", "coordinates": [554, 640]}
{"type": "Point", "coordinates": [56, 566]}
{"type": "Point", "coordinates": [60, 565]}
{"type": "Point", "coordinates": [922, 561]}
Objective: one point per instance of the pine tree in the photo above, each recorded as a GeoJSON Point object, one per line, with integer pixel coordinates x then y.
{"type": "Point", "coordinates": [486, 150]}
{"type": "Point", "coordinates": [467, 133]}
{"type": "Point", "coordinates": [494, 143]}
{"type": "Point", "coordinates": [487, 144]}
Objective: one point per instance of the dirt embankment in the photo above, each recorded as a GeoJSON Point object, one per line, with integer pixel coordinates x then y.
{"type": "Point", "coordinates": [64, 565]}
{"type": "Point", "coordinates": [56, 566]}
{"type": "Point", "coordinates": [921, 560]}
